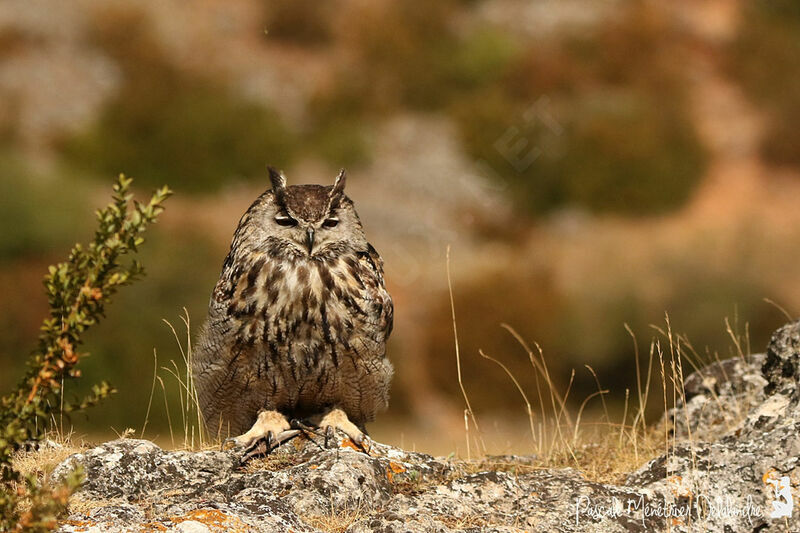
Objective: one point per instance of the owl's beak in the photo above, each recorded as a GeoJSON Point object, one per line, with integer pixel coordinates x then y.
{"type": "Point", "coordinates": [310, 239]}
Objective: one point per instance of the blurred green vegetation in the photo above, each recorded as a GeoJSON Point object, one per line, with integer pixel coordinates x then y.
{"type": "Point", "coordinates": [339, 131]}
{"type": "Point", "coordinates": [596, 120]}
{"type": "Point", "coordinates": [764, 58]}
{"type": "Point", "coordinates": [169, 124]}
{"type": "Point", "coordinates": [181, 271]}
{"type": "Point", "coordinates": [40, 218]}
{"type": "Point", "coordinates": [621, 150]}
{"type": "Point", "coordinates": [38, 213]}
{"type": "Point", "coordinates": [411, 56]}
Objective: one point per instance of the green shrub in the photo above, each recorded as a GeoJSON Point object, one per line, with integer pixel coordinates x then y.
{"type": "Point", "coordinates": [180, 274]}
{"type": "Point", "coordinates": [167, 124]}
{"type": "Point", "coordinates": [78, 291]}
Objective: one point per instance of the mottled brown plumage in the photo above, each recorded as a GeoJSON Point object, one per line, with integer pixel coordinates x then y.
{"type": "Point", "coordinates": [298, 322]}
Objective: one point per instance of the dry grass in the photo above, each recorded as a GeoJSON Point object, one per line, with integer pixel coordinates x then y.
{"type": "Point", "coordinates": [459, 523]}
{"type": "Point", "coordinates": [334, 521]}
{"type": "Point", "coordinates": [41, 462]}
{"type": "Point", "coordinates": [603, 450]}
{"type": "Point", "coordinates": [192, 429]}
{"type": "Point", "coordinates": [272, 463]}
{"type": "Point", "coordinates": [80, 504]}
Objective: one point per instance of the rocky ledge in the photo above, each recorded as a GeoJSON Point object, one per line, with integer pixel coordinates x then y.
{"type": "Point", "coordinates": [733, 468]}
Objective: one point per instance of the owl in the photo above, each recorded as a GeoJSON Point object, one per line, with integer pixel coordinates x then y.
{"type": "Point", "coordinates": [297, 323]}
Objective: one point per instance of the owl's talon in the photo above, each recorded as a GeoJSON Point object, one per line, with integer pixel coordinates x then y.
{"type": "Point", "coordinates": [229, 440]}
{"type": "Point", "coordinates": [302, 426]}
{"type": "Point", "coordinates": [257, 447]}
{"type": "Point", "coordinates": [267, 426]}
{"type": "Point", "coordinates": [337, 419]}
{"type": "Point", "coordinates": [265, 445]}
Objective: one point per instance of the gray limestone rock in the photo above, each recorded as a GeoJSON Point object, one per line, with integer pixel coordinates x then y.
{"type": "Point", "coordinates": [735, 444]}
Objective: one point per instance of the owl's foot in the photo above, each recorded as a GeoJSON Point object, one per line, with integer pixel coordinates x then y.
{"type": "Point", "coordinates": [337, 419]}
{"type": "Point", "coordinates": [270, 431]}
{"type": "Point", "coordinates": [326, 429]}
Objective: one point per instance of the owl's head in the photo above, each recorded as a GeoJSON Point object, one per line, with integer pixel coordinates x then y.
{"type": "Point", "coordinates": [310, 219]}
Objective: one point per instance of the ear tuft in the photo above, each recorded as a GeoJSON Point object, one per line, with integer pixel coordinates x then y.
{"type": "Point", "coordinates": [337, 191]}
{"type": "Point", "coordinates": [278, 183]}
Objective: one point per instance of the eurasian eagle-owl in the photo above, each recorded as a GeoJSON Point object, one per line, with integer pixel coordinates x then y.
{"type": "Point", "coordinates": [298, 321]}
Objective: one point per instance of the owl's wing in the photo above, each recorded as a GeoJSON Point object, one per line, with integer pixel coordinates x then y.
{"type": "Point", "coordinates": [374, 260]}
{"type": "Point", "coordinates": [377, 298]}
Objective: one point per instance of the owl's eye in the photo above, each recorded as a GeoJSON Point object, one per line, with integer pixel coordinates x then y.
{"type": "Point", "coordinates": [330, 222]}
{"type": "Point", "coordinates": [285, 221]}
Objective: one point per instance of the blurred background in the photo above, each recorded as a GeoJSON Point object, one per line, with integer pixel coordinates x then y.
{"type": "Point", "coordinates": [591, 163]}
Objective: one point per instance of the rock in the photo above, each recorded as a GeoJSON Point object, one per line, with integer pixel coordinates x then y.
{"type": "Point", "coordinates": [301, 485]}
{"type": "Point", "coordinates": [735, 452]}
{"type": "Point", "coordinates": [745, 440]}
{"type": "Point", "coordinates": [781, 368]}
{"type": "Point", "coordinates": [718, 397]}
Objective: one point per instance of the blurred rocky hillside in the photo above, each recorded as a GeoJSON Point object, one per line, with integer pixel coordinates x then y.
{"type": "Point", "coordinates": [590, 164]}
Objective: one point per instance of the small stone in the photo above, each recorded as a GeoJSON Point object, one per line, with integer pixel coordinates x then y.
{"type": "Point", "coordinates": [191, 526]}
